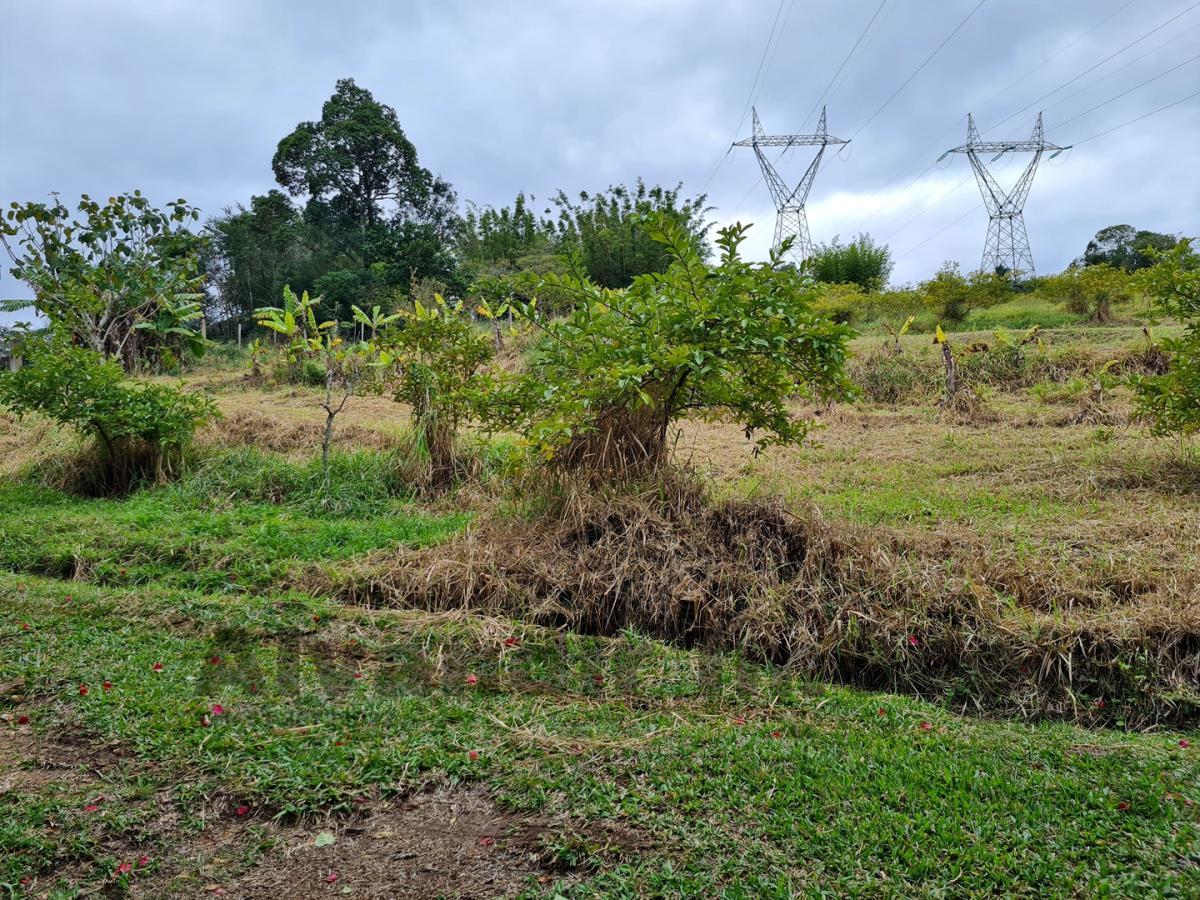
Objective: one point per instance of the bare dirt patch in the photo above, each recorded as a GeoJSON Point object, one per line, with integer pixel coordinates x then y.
{"type": "Point", "coordinates": [442, 842]}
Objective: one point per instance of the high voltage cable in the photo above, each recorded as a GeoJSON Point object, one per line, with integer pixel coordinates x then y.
{"type": "Point", "coordinates": [1134, 61]}
{"type": "Point", "coordinates": [1127, 91]}
{"type": "Point", "coordinates": [1093, 137]}
{"type": "Point", "coordinates": [753, 86]}
{"type": "Point", "coordinates": [1056, 90]}
{"type": "Point", "coordinates": [1096, 66]}
{"type": "Point", "coordinates": [942, 198]}
{"type": "Point", "coordinates": [895, 94]}
{"type": "Point", "coordinates": [861, 35]}
{"type": "Point", "coordinates": [919, 68]}
{"type": "Point", "coordinates": [1057, 53]}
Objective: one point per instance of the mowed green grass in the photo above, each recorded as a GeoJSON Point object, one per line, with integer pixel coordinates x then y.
{"type": "Point", "coordinates": [740, 780]}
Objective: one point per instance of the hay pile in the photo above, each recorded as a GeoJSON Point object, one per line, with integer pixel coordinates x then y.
{"type": "Point", "coordinates": [842, 604]}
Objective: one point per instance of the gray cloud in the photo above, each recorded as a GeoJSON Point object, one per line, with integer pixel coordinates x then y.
{"type": "Point", "coordinates": [187, 99]}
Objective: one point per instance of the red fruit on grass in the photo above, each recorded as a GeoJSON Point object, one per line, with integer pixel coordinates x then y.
{"type": "Point", "coordinates": [471, 679]}
{"type": "Point", "coordinates": [91, 807]}
{"type": "Point", "coordinates": [22, 720]}
{"type": "Point", "coordinates": [1185, 743]}
{"type": "Point", "coordinates": [331, 877]}
{"type": "Point", "coordinates": [83, 690]}
{"type": "Point", "coordinates": [511, 642]}
{"type": "Point", "coordinates": [913, 641]}
{"type": "Point", "coordinates": [777, 734]}
{"type": "Point", "coordinates": [358, 675]}
{"type": "Point", "coordinates": [486, 841]}
{"type": "Point", "coordinates": [24, 626]}
{"type": "Point", "coordinates": [472, 755]}
{"type": "Point", "coordinates": [107, 685]}
{"type": "Point", "coordinates": [214, 660]}
{"type": "Point", "coordinates": [1099, 704]}
{"type": "Point", "coordinates": [241, 810]}
{"type": "Point", "coordinates": [218, 709]}
{"type": "Point", "coordinates": [1122, 805]}
{"type": "Point", "coordinates": [881, 711]}
{"type": "Point", "coordinates": [124, 868]}
{"type": "Point", "coordinates": [157, 667]}
{"type": "Point", "coordinates": [144, 861]}
{"type": "Point", "coordinates": [926, 726]}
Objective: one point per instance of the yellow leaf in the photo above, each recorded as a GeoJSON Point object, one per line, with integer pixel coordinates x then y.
{"type": "Point", "coordinates": [939, 336]}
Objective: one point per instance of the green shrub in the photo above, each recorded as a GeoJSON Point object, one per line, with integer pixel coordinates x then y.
{"type": "Point", "coordinates": [1171, 401]}
{"type": "Point", "coordinates": [737, 341]}
{"type": "Point", "coordinates": [141, 430]}
{"type": "Point", "coordinates": [862, 262]}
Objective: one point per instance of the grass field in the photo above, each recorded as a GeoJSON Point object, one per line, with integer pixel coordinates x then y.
{"type": "Point", "coordinates": [174, 700]}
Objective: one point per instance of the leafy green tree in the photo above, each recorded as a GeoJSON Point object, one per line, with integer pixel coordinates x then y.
{"type": "Point", "coordinates": [97, 276]}
{"type": "Point", "coordinates": [861, 262]}
{"type": "Point", "coordinates": [1126, 247]}
{"type": "Point", "coordinates": [605, 229]}
{"type": "Point", "coordinates": [355, 159]}
{"type": "Point", "coordinates": [954, 295]}
{"type": "Point", "coordinates": [1172, 401]}
{"type": "Point", "coordinates": [739, 341]}
{"type": "Point", "coordinates": [141, 430]}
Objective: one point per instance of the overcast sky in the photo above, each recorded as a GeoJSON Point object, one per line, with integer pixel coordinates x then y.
{"type": "Point", "coordinates": [189, 99]}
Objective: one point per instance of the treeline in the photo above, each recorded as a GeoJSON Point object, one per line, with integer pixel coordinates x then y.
{"type": "Point", "coordinates": [357, 220]}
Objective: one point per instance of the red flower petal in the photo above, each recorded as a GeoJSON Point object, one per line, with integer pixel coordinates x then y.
{"type": "Point", "coordinates": [777, 734]}
{"type": "Point", "coordinates": [1185, 743]}
{"type": "Point", "coordinates": [598, 679]}
{"type": "Point", "coordinates": [214, 660]}
{"type": "Point", "coordinates": [157, 667]}
{"type": "Point", "coordinates": [24, 626]}
{"type": "Point", "coordinates": [1122, 805]}
{"type": "Point", "coordinates": [486, 841]}
{"type": "Point", "coordinates": [1099, 704]}
{"type": "Point", "coordinates": [739, 720]}
{"type": "Point", "coordinates": [511, 642]}
{"type": "Point", "coordinates": [22, 720]}
{"type": "Point", "coordinates": [913, 641]}
{"type": "Point", "coordinates": [472, 755]}
{"type": "Point", "coordinates": [91, 807]}
{"type": "Point", "coordinates": [471, 679]}
{"type": "Point", "coordinates": [205, 721]}
{"type": "Point", "coordinates": [241, 810]}
{"type": "Point", "coordinates": [218, 709]}
{"type": "Point", "coordinates": [316, 618]}
{"type": "Point", "coordinates": [124, 868]}
{"type": "Point", "coordinates": [926, 726]}
{"type": "Point", "coordinates": [83, 690]}
{"type": "Point", "coordinates": [144, 861]}
{"type": "Point", "coordinates": [881, 711]}
{"type": "Point", "coordinates": [331, 877]}
{"type": "Point", "coordinates": [358, 675]}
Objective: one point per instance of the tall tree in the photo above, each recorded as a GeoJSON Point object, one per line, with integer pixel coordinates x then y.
{"type": "Point", "coordinates": [861, 262]}
{"type": "Point", "coordinates": [356, 159]}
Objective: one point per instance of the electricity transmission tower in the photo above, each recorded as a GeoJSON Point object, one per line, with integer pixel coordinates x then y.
{"type": "Point", "coordinates": [790, 220]}
{"type": "Point", "coordinates": [1007, 246]}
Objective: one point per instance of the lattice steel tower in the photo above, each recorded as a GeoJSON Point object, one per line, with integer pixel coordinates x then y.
{"type": "Point", "coordinates": [1007, 246]}
{"type": "Point", "coordinates": [791, 220]}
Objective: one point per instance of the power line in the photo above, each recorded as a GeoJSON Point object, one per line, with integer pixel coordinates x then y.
{"type": "Point", "coordinates": [1096, 66]}
{"type": "Point", "coordinates": [750, 96]}
{"type": "Point", "coordinates": [1128, 91]}
{"type": "Point", "coordinates": [1044, 96]}
{"type": "Point", "coordinates": [861, 35]}
{"type": "Point", "coordinates": [928, 60]}
{"type": "Point", "coordinates": [1086, 140]}
{"type": "Point", "coordinates": [897, 92]}
{"type": "Point", "coordinates": [1139, 118]}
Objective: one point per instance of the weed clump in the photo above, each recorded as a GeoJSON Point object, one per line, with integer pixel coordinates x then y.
{"type": "Point", "coordinates": [842, 604]}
